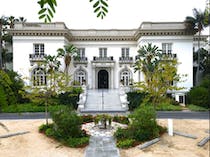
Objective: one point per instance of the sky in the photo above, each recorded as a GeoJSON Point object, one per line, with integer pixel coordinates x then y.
{"type": "Point", "coordinates": [123, 14]}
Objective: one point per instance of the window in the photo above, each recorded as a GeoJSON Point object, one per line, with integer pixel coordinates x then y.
{"type": "Point", "coordinates": [39, 77]}
{"type": "Point", "coordinates": [81, 52]}
{"type": "Point", "coordinates": [39, 48]}
{"type": "Point", "coordinates": [125, 52]}
{"type": "Point", "coordinates": [167, 47]}
{"type": "Point", "coordinates": [125, 77]}
{"type": "Point", "coordinates": [103, 52]}
{"type": "Point", "coordinates": [80, 77]}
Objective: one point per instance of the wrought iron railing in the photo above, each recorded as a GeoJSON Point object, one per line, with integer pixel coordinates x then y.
{"type": "Point", "coordinates": [37, 57]}
{"type": "Point", "coordinates": [125, 60]}
{"type": "Point", "coordinates": [103, 59]}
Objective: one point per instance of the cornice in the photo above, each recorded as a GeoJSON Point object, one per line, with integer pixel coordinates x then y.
{"type": "Point", "coordinates": [47, 33]}
{"type": "Point", "coordinates": [201, 37]}
{"type": "Point", "coordinates": [59, 29]}
{"type": "Point", "coordinates": [160, 33]}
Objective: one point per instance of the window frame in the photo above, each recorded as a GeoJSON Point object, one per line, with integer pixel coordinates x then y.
{"type": "Point", "coordinates": [103, 52]}
{"type": "Point", "coordinates": [167, 48]}
{"type": "Point", "coordinates": [39, 79]}
{"type": "Point", "coordinates": [39, 48]}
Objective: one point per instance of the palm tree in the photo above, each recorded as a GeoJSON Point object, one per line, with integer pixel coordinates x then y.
{"type": "Point", "coordinates": [11, 21]}
{"type": "Point", "coordinates": [67, 52]}
{"type": "Point", "coordinates": [52, 65]}
{"type": "Point", "coordinates": [147, 60]}
{"type": "Point", "coordinates": [197, 24]}
{"type": "Point", "coordinates": [22, 19]}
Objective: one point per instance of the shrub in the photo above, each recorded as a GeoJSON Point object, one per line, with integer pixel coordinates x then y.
{"type": "Point", "coordinates": [49, 132]}
{"type": "Point", "coordinates": [144, 126]}
{"type": "Point", "coordinates": [135, 99]}
{"type": "Point", "coordinates": [121, 119]}
{"type": "Point", "coordinates": [43, 128]}
{"type": "Point", "coordinates": [122, 134]}
{"type": "Point", "coordinates": [199, 96]}
{"type": "Point", "coordinates": [196, 108]}
{"type": "Point", "coordinates": [126, 143]}
{"type": "Point", "coordinates": [30, 107]}
{"type": "Point", "coordinates": [67, 123]}
{"type": "Point", "coordinates": [77, 142]}
{"type": "Point", "coordinates": [70, 98]}
{"type": "Point", "coordinates": [168, 107]}
{"type": "Point", "coordinates": [87, 118]}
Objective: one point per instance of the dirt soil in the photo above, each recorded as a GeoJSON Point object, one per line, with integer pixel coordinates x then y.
{"type": "Point", "coordinates": [35, 144]}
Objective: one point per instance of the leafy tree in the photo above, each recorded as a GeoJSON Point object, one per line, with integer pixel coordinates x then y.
{"type": "Point", "coordinates": [197, 23]}
{"type": "Point", "coordinates": [55, 84]}
{"type": "Point", "coordinates": [5, 37]}
{"type": "Point", "coordinates": [204, 60]}
{"type": "Point", "coordinates": [3, 22]}
{"type": "Point", "coordinates": [6, 91]}
{"type": "Point", "coordinates": [17, 85]}
{"type": "Point", "coordinates": [47, 8]}
{"type": "Point", "coordinates": [160, 71]}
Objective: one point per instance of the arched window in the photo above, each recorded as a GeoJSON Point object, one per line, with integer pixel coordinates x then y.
{"type": "Point", "coordinates": [39, 77]}
{"type": "Point", "coordinates": [80, 77]}
{"type": "Point", "coordinates": [125, 77]}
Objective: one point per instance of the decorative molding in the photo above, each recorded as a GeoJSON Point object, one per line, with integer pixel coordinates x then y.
{"type": "Point", "coordinates": [59, 29]}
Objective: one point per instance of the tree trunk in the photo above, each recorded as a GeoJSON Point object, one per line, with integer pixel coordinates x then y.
{"type": "Point", "coordinates": [198, 68]}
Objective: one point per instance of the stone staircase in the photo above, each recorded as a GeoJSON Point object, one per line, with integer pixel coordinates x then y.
{"type": "Point", "coordinates": [102, 100]}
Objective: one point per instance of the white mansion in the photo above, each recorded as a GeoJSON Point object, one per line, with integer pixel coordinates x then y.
{"type": "Point", "coordinates": [106, 56]}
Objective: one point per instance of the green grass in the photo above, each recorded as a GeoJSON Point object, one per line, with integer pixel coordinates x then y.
{"type": "Point", "coordinates": [29, 107]}
{"type": "Point", "coordinates": [168, 107]}
{"type": "Point", "coordinates": [196, 108]}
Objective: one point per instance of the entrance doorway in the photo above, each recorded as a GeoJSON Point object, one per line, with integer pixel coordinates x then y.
{"type": "Point", "coordinates": [103, 79]}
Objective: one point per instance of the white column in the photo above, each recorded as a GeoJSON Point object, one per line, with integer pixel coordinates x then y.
{"type": "Point", "coordinates": [93, 77]}
{"type": "Point", "coordinates": [170, 127]}
{"type": "Point", "coordinates": [112, 78]}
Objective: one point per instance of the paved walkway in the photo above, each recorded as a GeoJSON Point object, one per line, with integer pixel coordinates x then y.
{"type": "Point", "coordinates": [103, 100]}
{"type": "Point", "coordinates": [102, 146]}
{"type": "Point", "coordinates": [102, 142]}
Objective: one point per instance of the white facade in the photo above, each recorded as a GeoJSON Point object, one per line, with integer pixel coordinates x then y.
{"type": "Point", "coordinates": [102, 65]}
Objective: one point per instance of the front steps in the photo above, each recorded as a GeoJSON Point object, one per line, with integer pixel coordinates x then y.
{"type": "Point", "coordinates": [103, 101]}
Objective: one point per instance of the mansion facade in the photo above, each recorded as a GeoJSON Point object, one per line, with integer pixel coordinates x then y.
{"type": "Point", "coordinates": [106, 57]}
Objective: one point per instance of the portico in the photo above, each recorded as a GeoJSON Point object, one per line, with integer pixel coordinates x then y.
{"type": "Point", "coordinates": [103, 74]}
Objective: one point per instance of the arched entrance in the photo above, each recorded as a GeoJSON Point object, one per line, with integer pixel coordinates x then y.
{"type": "Point", "coordinates": [103, 79]}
